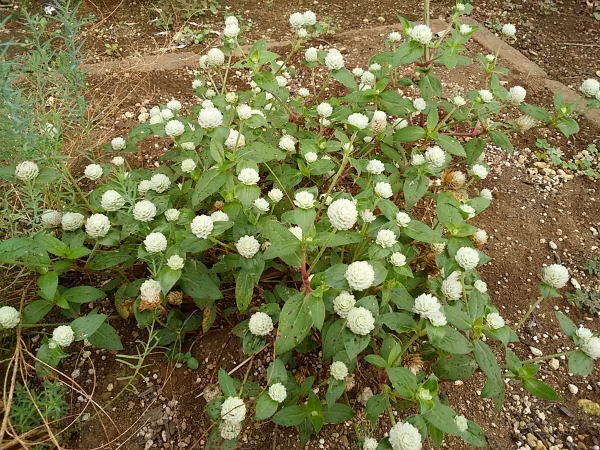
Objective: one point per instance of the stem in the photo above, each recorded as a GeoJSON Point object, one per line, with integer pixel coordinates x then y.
{"type": "Point", "coordinates": [531, 309]}
{"type": "Point", "coordinates": [226, 74]}
{"type": "Point", "coordinates": [426, 20]}
{"type": "Point", "coordinates": [216, 241]}
{"type": "Point", "coordinates": [322, 250]}
{"type": "Point", "coordinates": [554, 355]}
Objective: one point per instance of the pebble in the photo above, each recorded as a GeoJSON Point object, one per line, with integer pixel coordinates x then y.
{"type": "Point", "coordinates": [573, 389]}
{"type": "Point", "coordinates": [536, 351]}
{"type": "Point", "coordinates": [110, 387]}
{"type": "Point", "coordinates": [554, 363]}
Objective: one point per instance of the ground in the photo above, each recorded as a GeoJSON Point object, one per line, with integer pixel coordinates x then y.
{"type": "Point", "coordinates": [537, 217]}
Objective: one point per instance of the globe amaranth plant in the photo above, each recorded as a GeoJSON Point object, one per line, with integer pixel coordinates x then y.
{"type": "Point", "coordinates": [340, 225]}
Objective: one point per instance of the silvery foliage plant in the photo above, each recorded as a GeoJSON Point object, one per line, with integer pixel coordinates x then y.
{"type": "Point", "coordinates": [336, 227]}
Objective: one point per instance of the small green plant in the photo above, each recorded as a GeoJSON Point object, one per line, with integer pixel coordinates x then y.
{"type": "Point", "coordinates": [173, 12]}
{"type": "Point", "coordinates": [592, 266]}
{"type": "Point", "coordinates": [589, 300]}
{"type": "Point", "coordinates": [29, 406]}
{"type": "Point", "coordinates": [111, 49]}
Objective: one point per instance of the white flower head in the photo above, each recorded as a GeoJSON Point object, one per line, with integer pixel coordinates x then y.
{"type": "Point", "coordinates": [112, 201]}
{"type": "Point", "coordinates": [202, 226]}
{"type": "Point", "coordinates": [334, 60]}
{"type": "Point", "coordinates": [233, 410]}
{"type": "Point", "coordinates": [400, 123]}
{"type": "Point", "coordinates": [287, 143]}
{"type": "Point", "coordinates": [275, 195]}
{"type": "Point", "coordinates": [342, 214]}
{"type": "Point", "coordinates": [486, 193]}
{"type": "Point", "coordinates": [51, 218]}
{"type": "Point", "coordinates": [481, 286]}
{"type": "Point", "coordinates": [480, 171]}
{"type": "Point", "coordinates": [160, 182]}
{"type": "Point", "coordinates": [402, 219]}
{"type": "Point", "coordinates": [63, 335]}
{"type": "Point", "coordinates": [303, 92]}
{"type": "Point", "coordinates": [324, 109]}
{"type": "Point", "coordinates": [210, 118]}
{"type": "Point", "coordinates": [386, 238]}
{"type": "Point", "coordinates": [370, 443]}
{"type": "Point", "coordinates": [311, 54]}
{"type": "Point", "coordinates": [452, 286]}
{"type": "Point", "coordinates": [343, 303]}
{"type": "Point", "coordinates": [231, 20]}
{"type": "Point", "coordinates": [198, 83]}
{"type": "Point", "coordinates": [516, 95]}
{"type": "Point", "coordinates": [248, 176]}
{"type": "Point", "coordinates": [261, 204]}
{"type": "Point", "coordinates": [166, 114]}
{"type": "Point", "coordinates": [219, 216]}
{"type": "Point", "coordinates": [480, 237]}
{"type": "Point", "coordinates": [468, 210]}
{"type": "Point", "coordinates": [394, 36]}
{"type": "Point", "coordinates": [360, 275]}
{"type": "Point", "coordinates": [175, 262]}
{"type": "Point", "coordinates": [150, 291]}
{"type": "Point", "coordinates": [421, 33]}
{"type": "Point", "coordinates": [367, 216]}
{"type": "Point", "coordinates": [358, 120]}
{"type": "Point", "coordinates": [144, 186]}
{"type": "Point", "coordinates": [9, 317]}
{"type": "Point", "coordinates": [584, 333]}
{"type": "Point", "coordinates": [231, 30]}
{"type": "Point", "coordinates": [260, 324]}
{"type": "Point", "coordinates": [247, 246]}
{"type": "Point", "coordinates": [155, 243]}
{"type": "Point", "coordinates": [485, 96]}
{"type": "Point", "coordinates": [207, 104]}
{"type": "Point", "coordinates": [296, 231]}
{"type": "Point", "coordinates": [590, 87]}
{"type": "Point", "coordinates": [93, 171]}
{"type": "Point", "coordinates": [304, 200]}
{"type": "Point", "coordinates": [508, 29]}
{"type": "Point", "coordinates": [215, 57]}
{"type": "Point", "coordinates": [461, 423]}
{"type": "Point", "coordinates": [465, 29]}
{"type": "Point", "coordinates": [420, 104]}
{"type": "Point", "coordinates": [72, 221]}
{"type": "Point", "coordinates": [310, 18]}
{"type": "Point", "coordinates": [338, 370]}
{"type": "Point", "coordinates": [438, 318]}
{"type": "Point", "coordinates": [118, 161]}
{"type": "Point", "coordinates": [281, 80]}
{"type": "Point", "coordinates": [97, 226]}
{"type": "Point", "coordinates": [458, 100]}
{"type": "Point", "coordinates": [118, 143]}
{"type": "Point", "coordinates": [172, 215]}
{"type": "Point", "coordinates": [417, 159]}
{"type": "Point", "coordinates": [244, 111]}
{"type": "Point", "coordinates": [296, 20]}
{"type": "Point", "coordinates": [435, 156]}
{"type": "Point", "coordinates": [398, 259]}
{"type": "Point", "coordinates": [368, 78]}
{"type": "Point", "coordinates": [235, 140]}
{"type": "Point", "coordinates": [229, 431]}
{"type": "Point", "coordinates": [375, 167]}
{"type": "Point", "coordinates": [311, 157]}
{"type": "Point", "coordinates": [278, 392]}
{"type": "Point", "coordinates": [174, 105]}
{"type": "Point", "coordinates": [426, 305]}
{"type": "Point", "coordinates": [494, 321]}
{"type": "Point", "coordinates": [404, 436]}
{"type": "Point", "coordinates": [555, 275]}
{"type": "Point", "coordinates": [188, 165]}
{"type": "Point", "coordinates": [383, 189]}
{"type": "Point", "coordinates": [301, 32]}
{"type": "Point", "coordinates": [467, 258]}
{"type": "Point", "coordinates": [174, 128]}
{"type": "Point", "coordinates": [591, 347]}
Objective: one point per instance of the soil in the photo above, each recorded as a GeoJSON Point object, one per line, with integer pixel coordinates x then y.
{"type": "Point", "coordinates": [526, 215]}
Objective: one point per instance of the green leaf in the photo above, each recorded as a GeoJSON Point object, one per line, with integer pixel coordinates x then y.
{"type": "Point", "coordinates": [421, 232]}
{"type": "Point", "coordinates": [442, 417]}
{"type": "Point", "coordinates": [451, 145]}
{"type": "Point", "coordinates": [474, 435]}
{"type": "Point", "coordinates": [537, 112]}
{"type": "Point", "coordinates": [295, 322]}
{"type": "Point", "coordinates": [404, 381]}
{"type": "Point", "coordinates": [290, 416]}
{"type": "Point", "coordinates": [105, 260]}
{"type": "Point", "coordinates": [410, 133]}
{"type": "Point", "coordinates": [48, 283]}
{"type": "Point", "coordinates": [106, 337]}
{"type": "Point", "coordinates": [414, 188]}
{"type": "Point", "coordinates": [335, 389]}
{"type": "Point", "coordinates": [36, 311]}
{"type": "Point", "coordinates": [375, 406]}
{"type": "Point", "coordinates": [430, 87]}
{"type": "Point", "coordinates": [244, 288]}
{"type": "Point", "coordinates": [86, 326]}
{"type": "Point", "coordinates": [196, 283]}
{"type": "Point", "coordinates": [52, 245]}
{"type": "Point", "coordinates": [376, 360]}
{"type": "Point", "coordinates": [580, 363]}
{"type": "Point", "coordinates": [167, 278]}
{"type": "Point", "coordinates": [83, 294]}
{"type": "Point", "coordinates": [494, 386]}
{"type": "Point", "coordinates": [228, 384]}
{"type": "Point", "coordinates": [567, 325]}
{"type": "Point", "coordinates": [399, 322]}
{"type": "Point", "coordinates": [345, 77]}
{"type": "Point", "coordinates": [334, 276]}
{"type": "Point", "coordinates": [501, 140]}
{"type": "Point", "coordinates": [333, 338]}
{"type": "Point", "coordinates": [567, 126]}
{"type": "Point", "coordinates": [265, 406]}
{"type": "Point", "coordinates": [354, 343]}
{"type": "Point", "coordinates": [454, 367]}
{"type": "Point", "coordinates": [540, 389]}
{"type": "Point", "coordinates": [338, 413]}
{"type": "Point", "coordinates": [209, 183]}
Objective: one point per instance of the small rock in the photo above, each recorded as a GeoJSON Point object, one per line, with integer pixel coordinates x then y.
{"type": "Point", "coordinates": [573, 389]}
{"type": "Point", "coordinates": [535, 351]}
{"type": "Point", "coordinates": [110, 387]}
{"type": "Point", "coordinates": [554, 363]}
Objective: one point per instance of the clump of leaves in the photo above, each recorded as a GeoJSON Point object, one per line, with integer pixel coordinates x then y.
{"type": "Point", "coordinates": [589, 300]}
{"type": "Point", "coordinates": [50, 402]}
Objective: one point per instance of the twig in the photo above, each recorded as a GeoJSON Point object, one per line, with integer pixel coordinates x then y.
{"type": "Point", "coordinates": [244, 362]}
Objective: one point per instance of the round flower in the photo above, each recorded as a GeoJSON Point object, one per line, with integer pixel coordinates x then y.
{"type": "Point", "coordinates": [202, 226]}
{"type": "Point", "coordinates": [260, 324]}
{"type": "Point", "coordinates": [97, 226]}
{"type": "Point", "coordinates": [155, 243]}
{"type": "Point", "coordinates": [175, 262]}
{"type": "Point", "coordinates": [174, 128]}
{"type": "Point", "coordinates": [150, 291]}
{"type": "Point", "coordinates": [233, 410]}
{"type": "Point", "coordinates": [50, 218]}
{"type": "Point", "coordinates": [93, 171]}
{"type": "Point", "coordinates": [480, 237]}
{"type": "Point", "coordinates": [481, 286]}
{"type": "Point", "coordinates": [490, 58]}
{"type": "Point", "coordinates": [281, 80]}
{"type": "Point", "coordinates": [188, 165]}
{"type": "Point", "coordinates": [508, 29]}
{"type": "Point", "coordinates": [360, 321]}
{"type": "Point", "coordinates": [358, 120]}
{"type": "Point", "coordinates": [26, 171]}
{"type": "Point", "coordinates": [229, 431]}
{"type": "Point", "coordinates": [63, 335]}
{"type": "Point", "coordinates": [231, 97]}
{"type": "Point", "coordinates": [338, 370]}
{"type": "Point", "coordinates": [402, 219]}
{"type": "Point", "coordinates": [435, 156]}
{"type": "Point", "coordinates": [555, 275]}
{"type": "Point", "coordinates": [404, 436]}
{"type": "Point", "coordinates": [459, 100]}
{"type": "Point", "coordinates": [210, 118]}
{"type": "Point", "coordinates": [494, 321]}
{"type": "Point", "coordinates": [296, 231]}
{"type": "Point", "coordinates": [383, 189]}
{"type": "Point", "coordinates": [311, 157]}
{"type": "Point", "coordinates": [460, 6]}
{"type": "Point", "coordinates": [370, 443]}
{"type": "Point", "coordinates": [584, 333]}
{"type": "Point", "coordinates": [219, 216]}
{"type": "Point", "coordinates": [231, 20]}
{"type": "Point", "coordinates": [118, 143]}
{"type": "Point", "coordinates": [261, 204]}
{"type": "Point", "coordinates": [526, 122]}
{"type": "Point", "coordinates": [461, 423]}
{"type": "Point", "coordinates": [486, 193]}
{"type": "Point", "coordinates": [426, 305]}
{"type": "Point", "coordinates": [311, 54]}
{"type": "Point", "coordinates": [334, 60]}
{"type": "Point", "coordinates": [479, 170]}
{"type": "Point", "coordinates": [235, 140]}
{"type": "Point", "coordinates": [207, 104]}
{"type": "Point", "coordinates": [465, 29]}
{"type": "Point", "coordinates": [386, 238]}
{"type": "Point", "coordinates": [368, 78]}
{"type": "Point", "coordinates": [342, 214]}
{"type": "Point", "coordinates": [375, 167]}
{"type": "Point", "coordinates": [304, 200]}
{"type": "Point", "coordinates": [244, 111]}
{"type": "Point", "coordinates": [467, 258]}
{"type": "Point", "coordinates": [516, 95]}
{"type": "Point", "coordinates": [360, 275]}
{"type": "Point", "coordinates": [112, 201]}
{"type": "Point", "coordinates": [145, 186]}
{"type": "Point", "coordinates": [343, 303]}
{"type": "Point", "coordinates": [421, 33]}
{"type": "Point", "coordinates": [591, 347]}
{"type": "Point", "coordinates": [394, 36]}
{"type": "Point", "coordinates": [438, 318]}
{"type": "Point", "coordinates": [468, 210]}
{"type": "Point", "coordinates": [9, 317]}
{"type": "Point", "coordinates": [367, 216]}
{"type": "Point", "coordinates": [296, 20]}
{"type": "Point", "coordinates": [420, 104]}
{"type": "Point", "coordinates": [277, 392]}
{"type": "Point", "coordinates": [452, 287]}
{"type": "Point", "coordinates": [160, 182]}
{"type": "Point", "coordinates": [590, 87]}
{"type": "Point", "coordinates": [72, 221]}
{"type": "Point", "coordinates": [398, 259]}
{"type": "Point", "coordinates": [275, 195]}
{"type": "Point", "coordinates": [231, 30]}
{"type": "Point", "coordinates": [215, 57]}
{"type": "Point", "coordinates": [310, 18]}
{"type": "Point", "coordinates": [118, 161]}
{"type": "Point", "coordinates": [166, 114]}
{"type": "Point", "coordinates": [248, 176]}
{"type": "Point", "coordinates": [247, 246]}
{"type": "Point", "coordinates": [486, 96]}
{"type": "Point", "coordinates": [287, 143]}
{"type": "Point", "coordinates": [172, 215]}
{"type": "Point", "coordinates": [144, 211]}
{"type": "Point", "coordinates": [324, 109]}
{"type": "Point", "coordinates": [174, 105]}
{"type": "Point", "coordinates": [399, 123]}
